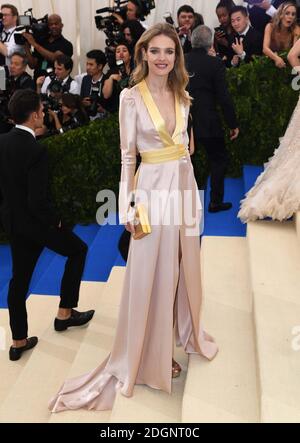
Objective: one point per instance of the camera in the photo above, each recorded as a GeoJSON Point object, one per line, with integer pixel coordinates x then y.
{"type": "Point", "coordinates": [169, 19]}
{"type": "Point", "coordinates": [112, 28]}
{"type": "Point", "coordinates": [94, 98]}
{"type": "Point", "coordinates": [37, 27]}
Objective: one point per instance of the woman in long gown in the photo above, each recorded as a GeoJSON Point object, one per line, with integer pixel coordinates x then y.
{"type": "Point", "coordinates": [162, 287]}
{"type": "Point", "coordinates": [276, 193]}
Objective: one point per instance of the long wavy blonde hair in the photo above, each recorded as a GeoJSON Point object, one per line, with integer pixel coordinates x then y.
{"type": "Point", "coordinates": [178, 78]}
{"type": "Point", "coordinates": [277, 20]}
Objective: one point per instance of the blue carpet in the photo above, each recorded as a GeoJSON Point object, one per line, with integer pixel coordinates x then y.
{"type": "Point", "coordinates": [50, 280]}
{"type": "Point", "coordinates": [103, 243]}
{"type": "Point", "coordinates": [103, 253]}
{"type": "Point", "coordinates": [120, 261]}
{"type": "Point", "coordinates": [226, 224]}
{"type": "Point", "coordinates": [250, 175]}
{"type": "Point", "coordinates": [5, 274]}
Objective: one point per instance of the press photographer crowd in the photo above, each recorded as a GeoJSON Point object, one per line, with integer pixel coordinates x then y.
{"type": "Point", "coordinates": [34, 53]}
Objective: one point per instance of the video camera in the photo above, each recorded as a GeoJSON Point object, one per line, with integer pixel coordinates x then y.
{"type": "Point", "coordinates": [112, 28]}
{"type": "Point", "coordinates": [37, 27]}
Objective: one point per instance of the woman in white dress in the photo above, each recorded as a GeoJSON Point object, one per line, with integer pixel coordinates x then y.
{"type": "Point", "coordinates": [276, 193]}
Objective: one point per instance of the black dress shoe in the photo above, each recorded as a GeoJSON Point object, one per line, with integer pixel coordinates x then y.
{"type": "Point", "coordinates": [76, 319]}
{"type": "Point", "coordinates": [16, 353]}
{"type": "Point", "coordinates": [213, 208]}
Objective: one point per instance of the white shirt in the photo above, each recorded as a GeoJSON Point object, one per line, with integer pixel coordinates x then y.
{"type": "Point", "coordinates": [25, 128]}
{"type": "Point", "coordinates": [74, 88]}
{"type": "Point", "coordinates": [243, 55]}
{"type": "Point", "coordinates": [10, 44]}
{"type": "Point", "coordinates": [246, 31]}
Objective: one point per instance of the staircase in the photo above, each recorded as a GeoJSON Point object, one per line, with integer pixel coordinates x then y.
{"type": "Point", "coordinates": [251, 288]}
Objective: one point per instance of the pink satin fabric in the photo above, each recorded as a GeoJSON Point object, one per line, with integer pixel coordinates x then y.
{"type": "Point", "coordinates": [159, 290]}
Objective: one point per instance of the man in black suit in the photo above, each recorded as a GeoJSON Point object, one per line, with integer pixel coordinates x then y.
{"type": "Point", "coordinates": [246, 41]}
{"type": "Point", "coordinates": [92, 84]}
{"type": "Point", "coordinates": [261, 14]}
{"type": "Point", "coordinates": [208, 88]}
{"type": "Point", "coordinates": [31, 224]}
{"type": "Point", "coordinates": [186, 22]}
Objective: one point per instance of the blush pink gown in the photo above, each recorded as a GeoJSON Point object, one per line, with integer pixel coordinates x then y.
{"type": "Point", "coordinates": [160, 290]}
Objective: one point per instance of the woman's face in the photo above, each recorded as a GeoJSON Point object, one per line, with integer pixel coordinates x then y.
{"type": "Point", "coordinates": [223, 16]}
{"type": "Point", "coordinates": [161, 55]}
{"type": "Point", "coordinates": [66, 110]}
{"type": "Point", "coordinates": [122, 53]}
{"type": "Point", "coordinates": [127, 35]}
{"type": "Point", "coordinates": [289, 16]}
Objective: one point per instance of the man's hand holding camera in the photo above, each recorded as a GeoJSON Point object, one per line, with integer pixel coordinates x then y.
{"type": "Point", "coordinates": [29, 38]}
{"type": "Point", "coordinates": [39, 83]}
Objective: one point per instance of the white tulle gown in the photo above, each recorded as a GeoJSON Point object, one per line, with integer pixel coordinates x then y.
{"type": "Point", "coordinates": [276, 193]}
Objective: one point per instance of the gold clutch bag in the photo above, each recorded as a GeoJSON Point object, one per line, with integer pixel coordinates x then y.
{"type": "Point", "coordinates": [142, 225]}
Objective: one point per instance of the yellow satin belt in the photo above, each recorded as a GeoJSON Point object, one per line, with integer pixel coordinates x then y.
{"type": "Point", "coordinates": [164, 155]}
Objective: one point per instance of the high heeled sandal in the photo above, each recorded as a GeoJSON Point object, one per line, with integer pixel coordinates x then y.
{"type": "Point", "coordinates": [176, 369]}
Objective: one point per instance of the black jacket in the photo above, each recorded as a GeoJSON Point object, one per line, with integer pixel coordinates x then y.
{"type": "Point", "coordinates": [23, 82]}
{"type": "Point", "coordinates": [252, 42]}
{"type": "Point", "coordinates": [25, 208]}
{"type": "Point", "coordinates": [208, 88]}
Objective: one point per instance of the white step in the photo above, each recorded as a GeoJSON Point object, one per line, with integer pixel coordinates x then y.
{"type": "Point", "coordinates": [275, 269]}
{"type": "Point", "coordinates": [95, 348]}
{"type": "Point", "coordinates": [40, 313]}
{"type": "Point", "coordinates": [153, 406]}
{"type": "Point", "coordinates": [224, 390]}
{"type": "Point", "coordinates": [47, 366]}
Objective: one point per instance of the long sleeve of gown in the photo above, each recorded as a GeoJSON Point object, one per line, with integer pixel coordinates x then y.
{"type": "Point", "coordinates": [129, 153]}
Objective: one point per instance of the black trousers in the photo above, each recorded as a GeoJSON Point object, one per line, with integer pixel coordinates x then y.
{"type": "Point", "coordinates": [218, 162]}
{"type": "Point", "coordinates": [25, 254]}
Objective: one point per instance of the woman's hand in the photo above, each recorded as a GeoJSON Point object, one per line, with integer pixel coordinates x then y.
{"type": "Point", "coordinates": [116, 77]}
{"type": "Point", "coordinates": [280, 63]}
{"type": "Point", "coordinates": [56, 119]}
{"type": "Point", "coordinates": [221, 39]}
{"type": "Point", "coordinates": [130, 228]}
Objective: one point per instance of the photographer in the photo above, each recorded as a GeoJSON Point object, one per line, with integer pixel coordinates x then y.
{"type": "Point", "coordinates": [132, 31]}
{"type": "Point", "coordinates": [92, 85]}
{"type": "Point", "coordinates": [63, 67]}
{"type": "Point", "coordinates": [118, 77]}
{"type": "Point", "coordinates": [7, 42]}
{"type": "Point", "coordinates": [47, 49]}
{"type": "Point", "coordinates": [19, 79]}
{"type": "Point", "coordinates": [16, 79]}
{"type": "Point", "coordinates": [71, 116]}
{"type": "Point", "coordinates": [134, 11]}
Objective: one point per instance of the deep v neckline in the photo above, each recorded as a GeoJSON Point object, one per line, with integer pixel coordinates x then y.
{"type": "Point", "coordinates": [160, 114]}
{"type": "Point", "coordinates": [157, 118]}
